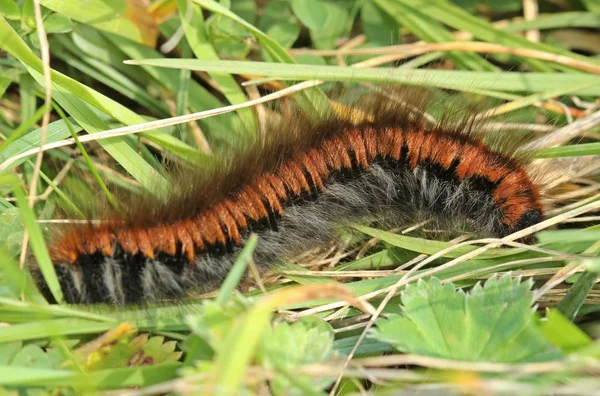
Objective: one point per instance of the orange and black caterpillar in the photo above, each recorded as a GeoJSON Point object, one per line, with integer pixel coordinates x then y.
{"type": "Point", "coordinates": [307, 176]}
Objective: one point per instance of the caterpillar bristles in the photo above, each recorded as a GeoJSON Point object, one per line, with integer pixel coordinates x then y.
{"type": "Point", "coordinates": [378, 157]}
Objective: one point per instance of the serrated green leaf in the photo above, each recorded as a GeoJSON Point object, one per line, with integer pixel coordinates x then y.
{"type": "Point", "coordinates": [308, 340]}
{"type": "Point", "coordinates": [216, 320]}
{"type": "Point", "coordinates": [493, 322]}
{"type": "Point", "coordinates": [290, 345]}
{"type": "Point", "coordinates": [156, 350]}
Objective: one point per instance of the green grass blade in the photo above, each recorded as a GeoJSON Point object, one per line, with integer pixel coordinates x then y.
{"type": "Point", "coordinates": [460, 80]}
{"type": "Point", "coordinates": [454, 16]}
{"type": "Point", "coordinates": [237, 271]}
{"type": "Point", "coordinates": [429, 30]}
{"type": "Point", "coordinates": [36, 237]}
{"type": "Point", "coordinates": [571, 19]}
{"type": "Point", "coordinates": [314, 97]}
{"type": "Point", "coordinates": [64, 89]}
{"type": "Point", "coordinates": [202, 48]}
{"type": "Point", "coordinates": [574, 150]}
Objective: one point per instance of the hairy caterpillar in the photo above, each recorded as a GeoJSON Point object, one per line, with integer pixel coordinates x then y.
{"type": "Point", "coordinates": [306, 177]}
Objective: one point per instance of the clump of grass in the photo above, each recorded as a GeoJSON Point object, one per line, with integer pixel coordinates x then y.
{"type": "Point", "coordinates": [479, 316]}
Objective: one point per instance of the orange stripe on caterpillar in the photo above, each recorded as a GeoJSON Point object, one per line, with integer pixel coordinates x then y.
{"type": "Point", "coordinates": [515, 194]}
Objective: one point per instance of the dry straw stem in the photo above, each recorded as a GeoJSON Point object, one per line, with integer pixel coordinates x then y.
{"type": "Point", "coordinates": [565, 133]}
{"type": "Point", "coordinates": [45, 52]}
{"type": "Point", "coordinates": [450, 364]}
{"type": "Point", "coordinates": [530, 13]}
{"type": "Point", "coordinates": [409, 50]}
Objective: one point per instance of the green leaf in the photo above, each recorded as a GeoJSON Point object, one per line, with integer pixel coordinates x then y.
{"type": "Point", "coordinates": [126, 18]}
{"type": "Point", "coordinates": [428, 246]}
{"type": "Point", "coordinates": [285, 33]}
{"type": "Point", "coordinates": [215, 322]}
{"type": "Point", "coordinates": [559, 20]}
{"type": "Point", "coordinates": [276, 12]}
{"type": "Point", "coordinates": [378, 26]}
{"type": "Point", "coordinates": [369, 347]}
{"type": "Point", "coordinates": [493, 322]}
{"type": "Point", "coordinates": [337, 26]}
{"type": "Point", "coordinates": [8, 350]}
{"type": "Point", "coordinates": [9, 9]}
{"type": "Point", "coordinates": [290, 345]}
{"type": "Point", "coordinates": [57, 23]}
{"type": "Point", "coordinates": [592, 5]}
{"type": "Point", "coordinates": [563, 333]}
{"type": "Point", "coordinates": [308, 340]}
{"type": "Point", "coordinates": [570, 236]}
{"type": "Point", "coordinates": [31, 356]}
{"type": "Point", "coordinates": [312, 13]}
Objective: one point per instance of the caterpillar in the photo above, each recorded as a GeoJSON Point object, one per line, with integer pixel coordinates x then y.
{"type": "Point", "coordinates": [295, 185]}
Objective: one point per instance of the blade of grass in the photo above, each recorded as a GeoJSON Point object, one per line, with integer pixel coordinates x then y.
{"type": "Point", "coordinates": [572, 302]}
{"type": "Point", "coordinates": [237, 271]}
{"type": "Point", "coordinates": [87, 159]}
{"type": "Point", "coordinates": [22, 129]}
{"type": "Point", "coordinates": [575, 150]}
{"type": "Point", "coordinates": [460, 80]}
{"type": "Point", "coordinates": [36, 239]}
{"type": "Point", "coordinates": [183, 94]}
{"type": "Point", "coordinates": [195, 34]}
{"type": "Point", "coordinates": [535, 98]}
{"type": "Point", "coordinates": [108, 76]}
{"type": "Point", "coordinates": [64, 91]}
{"type": "Point", "coordinates": [555, 21]}
{"type": "Point", "coordinates": [452, 15]}
{"type": "Point", "coordinates": [314, 98]}
{"type": "Point", "coordinates": [429, 30]}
